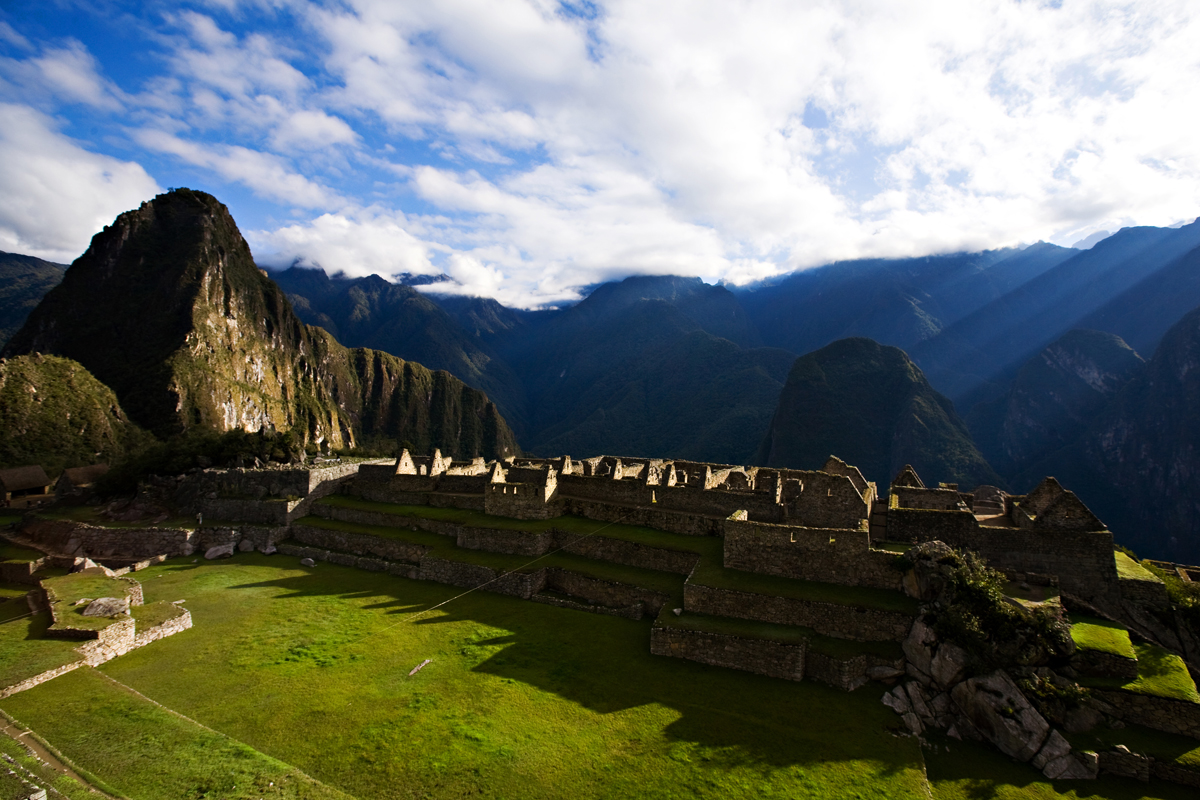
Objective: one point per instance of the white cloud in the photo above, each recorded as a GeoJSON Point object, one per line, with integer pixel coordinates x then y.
{"type": "Point", "coordinates": [369, 242]}
{"type": "Point", "coordinates": [68, 74]}
{"type": "Point", "coordinates": [266, 175]}
{"type": "Point", "coordinates": [57, 194]}
{"type": "Point", "coordinates": [535, 151]}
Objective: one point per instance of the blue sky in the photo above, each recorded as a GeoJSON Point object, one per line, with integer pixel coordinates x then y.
{"type": "Point", "coordinates": [527, 148]}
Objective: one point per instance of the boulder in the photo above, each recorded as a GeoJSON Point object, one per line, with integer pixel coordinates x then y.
{"type": "Point", "coordinates": [1055, 748]}
{"type": "Point", "coordinates": [919, 700]}
{"type": "Point", "coordinates": [949, 665]}
{"type": "Point", "coordinates": [268, 550]}
{"type": "Point", "coordinates": [918, 647]}
{"type": "Point", "coordinates": [998, 710]}
{"type": "Point", "coordinates": [1073, 767]}
{"type": "Point", "coordinates": [220, 551]}
{"type": "Point", "coordinates": [913, 723]}
{"type": "Point", "coordinates": [307, 562]}
{"type": "Point", "coordinates": [245, 546]}
{"type": "Point", "coordinates": [107, 607]}
{"type": "Point", "coordinates": [897, 700]}
{"type": "Point", "coordinates": [883, 672]}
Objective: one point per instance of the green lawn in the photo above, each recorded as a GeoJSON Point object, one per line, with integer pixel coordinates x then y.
{"type": "Point", "coordinates": [520, 700]}
{"type": "Point", "coordinates": [8, 519]}
{"type": "Point", "coordinates": [444, 547]}
{"type": "Point", "coordinates": [12, 552]}
{"type": "Point", "coordinates": [1128, 569]}
{"type": "Point", "coordinates": [25, 652]}
{"type": "Point", "coordinates": [81, 586]}
{"type": "Point", "coordinates": [142, 751]}
{"type": "Point", "coordinates": [1160, 673]}
{"type": "Point", "coordinates": [44, 775]}
{"type": "Point", "coordinates": [711, 573]}
{"type": "Point", "coordinates": [1092, 633]}
{"type": "Point", "coordinates": [151, 615]}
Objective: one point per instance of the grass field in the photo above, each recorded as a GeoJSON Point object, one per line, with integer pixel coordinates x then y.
{"type": "Point", "coordinates": [1128, 569]}
{"type": "Point", "coordinates": [521, 700]}
{"type": "Point", "coordinates": [1092, 633]}
{"type": "Point", "coordinates": [1160, 673]}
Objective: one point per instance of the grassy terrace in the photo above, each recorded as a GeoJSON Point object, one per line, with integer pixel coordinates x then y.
{"type": "Point", "coordinates": [445, 548]}
{"type": "Point", "coordinates": [43, 774]}
{"type": "Point", "coordinates": [154, 614]}
{"type": "Point", "coordinates": [70, 588]}
{"type": "Point", "coordinates": [704, 545]}
{"type": "Point", "coordinates": [790, 634]}
{"type": "Point", "coordinates": [90, 515]}
{"type": "Point", "coordinates": [12, 552]}
{"type": "Point", "coordinates": [309, 668]}
{"type": "Point", "coordinates": [8, 519]}
{"type": "Point", "coordinates": [1160, 673]}
{"type": "Point", "coordinates": [24, 650]}
{"type": "Point", "coordinates": [1130, 570]}
{"type": "Point", "coordinates": [712, 573]}
{"type": "Point", "coordinates": [1091, 633]}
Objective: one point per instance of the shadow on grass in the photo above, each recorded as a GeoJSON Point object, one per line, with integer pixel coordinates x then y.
{"type": "Point", "coordinates": [725, 717]}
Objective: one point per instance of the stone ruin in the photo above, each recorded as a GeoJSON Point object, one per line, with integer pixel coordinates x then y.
{"type": "Point", "coordinates": [827, 526]}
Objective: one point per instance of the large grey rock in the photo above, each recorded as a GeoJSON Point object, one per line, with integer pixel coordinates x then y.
{"type": "Point", "coordinates": [245, 546]}
{"type": "Point", "coordinates": [307, 562]}
{"type": "Point", "coordinates": [918, 647]}
{"type": "Point", "coordinates": [919, 700]}
{"type": "Point", "coordinates": [220, 551]}
{"type": "Point", "coordinates": [107, 607]}
{"type": "Point", "coordinates": [949, 665]}
{"type": "Point", "coordinates": [883, 672]}
{"type": "Point", "coordinates": [998, 710]}
{"type": "Point", "coordinates": [1073, 767]}
{"type": "Point", "coordinates": [897, 700]}
{"type": "Point", "coordinates": [1054, 748]}
{"type": "Point", "coordinates": [268, 550]}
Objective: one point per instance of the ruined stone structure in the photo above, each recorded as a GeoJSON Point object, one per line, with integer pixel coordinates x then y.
{"type": "Point", "coordinates": [795, 574]}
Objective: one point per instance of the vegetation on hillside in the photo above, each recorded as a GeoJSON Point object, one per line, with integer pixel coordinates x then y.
{"type": "Point", "coordinates": [54, 413]}
{"type": "Point", "coordinates": [24, 280]}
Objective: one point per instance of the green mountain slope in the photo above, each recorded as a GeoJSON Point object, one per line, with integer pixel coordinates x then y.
{"type": "Point", "coordinates": [53, 412]}
{"type": "Point", "coordinates": [168, 309]}
{"type": "Point", "coordinates": [24, 281]}
{"type": "Point", "coordinates": [1055, 396]}
{"type": "Point", "coordinates": [870, 405]}
{"type": "Point", "coordinates": [372, 312]}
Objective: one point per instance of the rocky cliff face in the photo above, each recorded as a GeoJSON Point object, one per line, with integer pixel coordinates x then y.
{"type": "Point", "coordinates": [1055, 396]}
{"type": "Point", "coordinates": [168, 309]}
{"type": "Point", "coordinates": [870, 405]}
{"type": "Point", "coordinates": [1146, 447]}
{"type": "Point", "coordinates": [53, 412]}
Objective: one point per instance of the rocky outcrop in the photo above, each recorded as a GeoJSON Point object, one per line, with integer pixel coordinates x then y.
{"type": "Point", "coordinates": [168, 309]}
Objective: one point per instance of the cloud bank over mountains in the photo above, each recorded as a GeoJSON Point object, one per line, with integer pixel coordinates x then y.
{"type": "Point", "coordinates": [527, 148]}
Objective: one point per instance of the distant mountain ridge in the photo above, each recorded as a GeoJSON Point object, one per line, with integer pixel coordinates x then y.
{"type": "Point", "coordinates": [24, 281]}
{"type": "Point", "coordinates": [869, 404]}
{"type": "Point", "coordinates": [168, 309]}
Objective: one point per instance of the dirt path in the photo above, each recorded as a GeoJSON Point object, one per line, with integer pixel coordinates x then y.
{"type": "Point", "coordinates": [30, 743]}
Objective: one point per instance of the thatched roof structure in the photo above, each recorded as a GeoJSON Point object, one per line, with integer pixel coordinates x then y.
{"type": "Point", "coordinates": [18, 479]}
{"type": "Point", "coordinates": [82, 476]}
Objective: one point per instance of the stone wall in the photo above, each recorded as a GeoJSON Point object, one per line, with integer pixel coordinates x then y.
{"type": "Point", "coordinates": [632, 554]}
{"type": "Point", "coordinates": [1150, 594]}
{"type": "Point", "coordinates": [1159, 713]}
{"type": "Point", "coordinates": [114, 640]}
{"type": "Point", "coordinates": [276, 511]}
{"type": "Point", "coordinates": [844, 622]}
{"type": "Point", "coordinates": [76, 538]}
{"type": "Point", "coordinates": [358, 544]}
{"type": "Point", "coordinates": [520, 501]}
{"type": "Point", "coordinates": [1082, 560]}
{"type": "Point", "coordinates": [260, 536]}
{"type": "Point", "coordinates": [21, 571]}
{"type": "Point", "coordinates": [813, 554]}
{"type": "Point", "coordinates": [399, 569]}
{"type": "Point", "coordinates": [762, 656]}
{"type": "Point", "coordinates": [178, 623]}
{"type": "Point", "coordinates": [600, 592]}
{"type": "Point", "coordinates": [498, 540]}
{"type": "Point", "coordinates": [37, 680]}
{"type": "Point", "coordinates": [651, 517]}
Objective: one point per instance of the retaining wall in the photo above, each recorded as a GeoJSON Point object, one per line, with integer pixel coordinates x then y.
{"type": "Point", "coordinates": [1159, 713]}
{"type": "Point", "coordinates": [77, 538]}
{"type": "Point", "coordinates": [843, 622]}
{"type": "Point", "coordinates": [814, 554]}
{"type": "Point", "coordinates": [761, 656]}
{"type": "Point", "coordinates": [358, 543]}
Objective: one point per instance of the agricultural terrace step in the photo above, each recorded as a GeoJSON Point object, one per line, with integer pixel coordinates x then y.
{"type": "Point", "coordinates": [542, 584]}
{"type": "Point", "coordinates": [622, 544]}
{"type": "Point", "coordinates": [843, 612]}
{"type": "Point", "coordinates": [328, 533]}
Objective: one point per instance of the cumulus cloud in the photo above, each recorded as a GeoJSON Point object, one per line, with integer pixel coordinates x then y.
{"type": "Point", "coordinates": [265, 174]}
{"type": "Point", "coordinates": [527, 148]}
{"type": "Point", "coordinates": [57, 194]}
